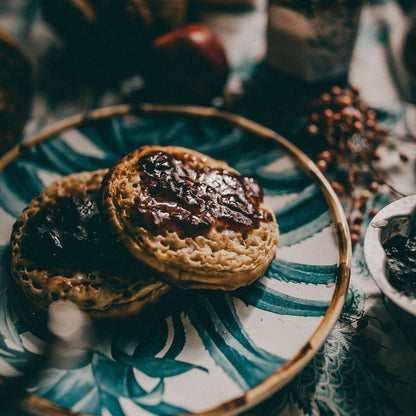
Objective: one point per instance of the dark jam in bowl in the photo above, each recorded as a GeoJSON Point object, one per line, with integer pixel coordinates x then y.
{"type": "Point", "coordinates": [69, 233]}
{"type": "Point", "coordinates": [401, 263]}
{"type": "Point", "coordinates": [179, 193]}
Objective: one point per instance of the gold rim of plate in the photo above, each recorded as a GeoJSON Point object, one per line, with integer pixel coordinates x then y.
{"type": "Point", "coordinates": [292, 367]}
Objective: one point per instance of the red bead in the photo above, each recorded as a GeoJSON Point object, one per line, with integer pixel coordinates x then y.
{"type": "Point", "coordinates": [374, 186]}
{"type": "Point", "coordinates": [313, 129]}
{"type": "Point", "coordinates": [328, 113]}
{"type": "Point", "coordinates": [314, 116]}
{"type": "Point", "coordinates": [322, 165]}
{"type": "Point", "coordinates": [325, 155]}
{"type": "Point", "coordinates": [355, 239]}
{"type": "Point", "coordinates": [338, 188]}
{"type": "Point", "coordinates": [370, 123]}
{"type": "Point", "coordinates": [372, 213]}
{"type": "Point", "coordinates": [325, 97]}
{"type": "Point", "coordinates": [358, 125]}
{"type": "Point", "coordinates": [336, 90]}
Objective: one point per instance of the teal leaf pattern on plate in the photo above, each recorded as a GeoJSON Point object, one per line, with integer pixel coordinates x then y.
{"type": "Point", "coordinates": [217, 323]}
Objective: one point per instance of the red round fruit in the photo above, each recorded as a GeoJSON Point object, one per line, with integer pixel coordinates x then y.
{"type": "Point", "coordinates": [190, 62]}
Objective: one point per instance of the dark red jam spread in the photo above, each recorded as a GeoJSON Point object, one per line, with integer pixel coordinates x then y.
{"type": "Point", "coordinates": [179, 193]}
{"type": "Point", "coordinates": [69, 233]}
{"type": "Point", "coordinates": [401, 263]}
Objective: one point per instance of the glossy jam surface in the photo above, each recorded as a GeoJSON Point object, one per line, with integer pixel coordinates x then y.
{"type": "Point", "coordinates": [401, 263]}
{"type": "Point", "coordinates": [179, 193]}
{"type": "Point", "coordinates": [69, 233]}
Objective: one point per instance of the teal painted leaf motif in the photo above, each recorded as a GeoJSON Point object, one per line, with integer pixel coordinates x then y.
{"type": "Point", "coordinates": [158, 367]}
{"type": "Point", "coordinates": [305, 215]}
{"type": "Point", "coordinates": [140, 395]}
{"type": "Point", "coordinates": [224, 143]}
{"type": "Point", "coordinates": [89, 403]}
{"type": "Point", "coordinates": [229, 323]}
{"type": "Point", "coordinates": [53, 156]}
{"type": "Point", "coordinates": [108, 135]}
{"type": "Point", "coordinates": [254, 160]}
{"type": "Point", "coordinates": [22, 177]}
{"type": "Point", "coordinates": [304, 208]}
{"type": "Point", "coordinates": [228, 343]}
{"type": "Point", "coordinates": [148, 338]}
{"type": "Point", "coordinates": [11, 346]}
{"type": "Point", "coordinates": [189, 132]}
{"type": "Point", "coordinates": [64, 160]}
{"type": "Point", "coordinates": [287, 271]}
{"type": "Point", "coordinates": [11, 202]}
{"type": "Point", "coordinates": [57, 156]}
{"type": "Point", "coordinates": [114, 138]}
{"type": "Point", "coordinates": [111, 402]}
{"type": "Point", "coordinates": [282, 183]}
{"type": "Point", "coordinates": [219, 139]}
{"type": "Point", "coordinates": [106, 371]}
{"type": "Point", "coordinates": [16, 356]}
{"type": "Point", "coordinates": [18, 359]}
{"type": "Point", "coordinates": [179, 339]}
{"type": "Point", "coordinates": [263, 297]}
{"type": "Point", "coordinates": [128, 386]}
{"type": "Point", "coordinates": [68, 388]}
{"type": "Point", "coordinates": [310, 228]}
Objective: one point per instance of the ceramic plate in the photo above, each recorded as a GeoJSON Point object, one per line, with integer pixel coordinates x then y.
{"type": "Point", "coordinates": [215, 353]}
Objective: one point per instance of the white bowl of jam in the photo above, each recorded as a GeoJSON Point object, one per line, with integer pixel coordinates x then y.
{"type": "Point", "coordinates": [390, 252]}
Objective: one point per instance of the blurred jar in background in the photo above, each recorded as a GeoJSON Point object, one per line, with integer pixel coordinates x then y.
{"type": "Point", "coordinates": [312, 40]}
